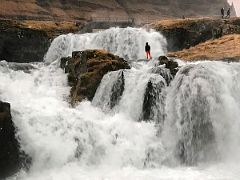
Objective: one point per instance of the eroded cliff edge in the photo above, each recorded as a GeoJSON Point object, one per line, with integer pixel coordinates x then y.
{"type": "Point", "coordinates": [28, 41]}
{"type": "Point", "coordinates": [185, 33]}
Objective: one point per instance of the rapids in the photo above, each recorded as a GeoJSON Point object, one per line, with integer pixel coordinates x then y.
{"type": "Point", "coordinates": [146, 130]}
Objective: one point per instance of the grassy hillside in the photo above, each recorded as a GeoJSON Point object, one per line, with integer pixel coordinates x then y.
{"type": "Point", "coordinates": [146, 11]}
{"type": "Point", "coordinates": [224, 48]}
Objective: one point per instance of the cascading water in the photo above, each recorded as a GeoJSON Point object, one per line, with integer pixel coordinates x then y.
{"type": "Point", "coordinates": [128, 43]}
{"type": "Point", "coordinates": [110, 90]}
{"type": "Point", "coordinates": [136, 93]}
{"type": "Point", "coordinates": [202, 112]}
{"type": "Point", "coordinates": [137, 127]}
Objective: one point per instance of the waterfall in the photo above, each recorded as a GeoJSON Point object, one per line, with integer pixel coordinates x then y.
{"type": "Point", "coordinates": [142, 122]}
{"type": "Point", "coordinates": [110, 90]}
{"type": "Point", "coordinates": [202, 112]}
{"type": "Point", "coordinates": [128, 43]}
{"type": "Point", "coordinates": [137, 93]}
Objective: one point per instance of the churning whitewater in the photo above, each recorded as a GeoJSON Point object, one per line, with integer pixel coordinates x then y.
{"type": "Point", "coordinates": [138, 126]}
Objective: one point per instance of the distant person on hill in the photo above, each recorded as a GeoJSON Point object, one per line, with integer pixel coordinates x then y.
{"type": "Point", "coordinates": [222, 12]}
{"type": "Point", "coordinates": [147, 50]}
{"type": "Point", "coordinates": [228, 13]}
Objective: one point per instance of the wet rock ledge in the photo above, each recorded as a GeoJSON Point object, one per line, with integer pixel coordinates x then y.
{"type": "Point", "coordinates": [11, 158]}
{"type": "Point", "coordinates": [85, 71]}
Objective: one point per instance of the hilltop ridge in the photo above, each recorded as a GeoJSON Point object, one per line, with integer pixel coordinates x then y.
{"type": "Point", "coordinates": [85, 10]}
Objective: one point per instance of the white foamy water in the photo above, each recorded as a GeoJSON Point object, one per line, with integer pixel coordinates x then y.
{"type": "Point", "coordinates": [81, 143]}
{"type": "Point", "coordinates": [199, 136]}
{"type": "Point", "coordinates": [135, 84]}
{"type": "Point", "coordinates": [203, 109]}
{"type": "Point", "coordinates": [56, 135]}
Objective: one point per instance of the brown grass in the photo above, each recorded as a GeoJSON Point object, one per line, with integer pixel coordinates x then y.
{"type": "Point", "coordinates": [48, 25]}
{"type": "Point", "coordinates": [226, 47]}
{"type": "Point", "coordinates": [172, 23]}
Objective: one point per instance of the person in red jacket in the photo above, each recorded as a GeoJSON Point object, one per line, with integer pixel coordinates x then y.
{"type": "Point", "coordinates": [147, 50]}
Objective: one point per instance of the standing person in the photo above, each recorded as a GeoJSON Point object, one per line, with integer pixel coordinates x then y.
{"type": "Point", "coordinates": [228, 13]}
{"type": "Point", "coordinates": [222, 12]}
{"type": "Point", "coordinates": [147, 50]}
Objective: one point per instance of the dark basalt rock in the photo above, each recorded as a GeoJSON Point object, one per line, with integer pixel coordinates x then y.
{"type": "Point", "coordinates": [11, 158]}
{"type": "Point", "coordinates": [85, 71]}
{"type": "Point", "coordinates": [22, 45]}
{"type": "Point", "coordinates": [64, 61]}
{"type": "Point", "coordinates": [164, 72]}
{"type": "Point", "coordinates": [117, 90]}
{"type": "Point", "coordinates": [152, 97]}
{"type": "Point", "coordinates": [169, 64]}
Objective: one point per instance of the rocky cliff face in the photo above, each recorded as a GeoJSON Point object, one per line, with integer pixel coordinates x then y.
{"type": "Point", "coordinates": [28, 41]}
{"type": "Point", "coordinates": [86, 10]}
{"type": "Point", "coordinates": [22, 44]}
{"type": "Point", "coordinates": [185, 33]}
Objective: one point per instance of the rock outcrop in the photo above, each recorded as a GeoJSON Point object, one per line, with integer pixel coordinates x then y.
{"type": "Point", "coordinates": [169, 64]}
{"type": "Point", "coordinates": [11, 159]}
{"type": "Point", "coordinates": [226, 48]}
{"type": "Point", "coordinates": [117, 90]}
{"type": "Point", "coordinates": [152, 97]}
{"type": "Point", "coordinates": [85, 71]}
{"type": "Point", "coordinates": [28, 41]}
{"type": "Point", "coordinates": [185, 33]}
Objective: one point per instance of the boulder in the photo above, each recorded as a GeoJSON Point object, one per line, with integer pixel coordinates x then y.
{"type": "Point", "coordinates": [169, 64]}
{"type": "Point", "coordinates": [153, 103]}
{"type": "Point", "coordinates": [117, 90]}
{"type": "Point", "coordinates": [85, 71]}
{"type": "Point", "coordinates": [11, 158]}
{"type": "Point", "coordinates": [164, 72]}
